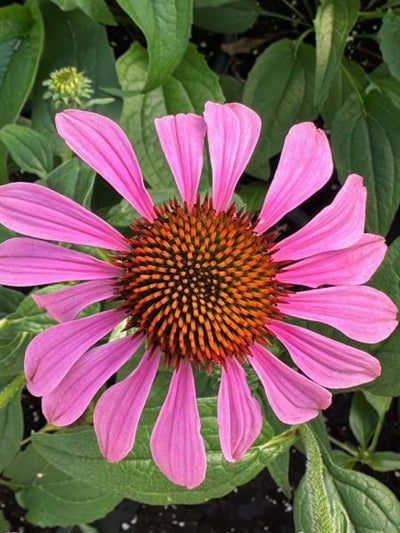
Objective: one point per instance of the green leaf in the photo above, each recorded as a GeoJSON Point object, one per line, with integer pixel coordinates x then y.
{"type": "Point", "coordinates": [386, 84]}
{"type": "Point", "coordinates": [166, 26]}
{"type": "Point", "coordinates": [280, 88]}
{"type": "Point", "coordinates": [9, 300]}
{"type": "Point", "coordinates": [349, 79]}
{"type": "Point", "coordinates": [51, 497]}
{"type": "Point", "coordinates": [234, 16]}
{"type": "Point", "coordinates": [362, 419]}
{"type": "Point", "coordinates": [385, 461]}
{"type": "Point", "coordinates": [364, 137]}
{"type": "Point", "coordinates": [332, 24]}
{"type": "Point", "coordinates": [74, 179]}
{"type": "Point", "coordinates": [137, 477]}
{"type": "Point", "coordinates": [187, 90]}
{"type": "Point", "coordinates": [4, 525]}
{"type": "Point", "coordinates": [21, 43]}
{"type": "Point", "coordinates": [72, 39]}
{"type": "Point", "coordinates": [364, 503]}
{"type": "Point", "coordinates": [232, 88]}
{"type": "Point", "coordinates": [253, 195]}
{"type": "Point", "coordinates": [11, 421]}
{"type": "Point", "coordinates": [95, 9]}
{"type": "Point", "coordinates": [389, 41]}
{"type": "Point", "coordinates": [28, 148]}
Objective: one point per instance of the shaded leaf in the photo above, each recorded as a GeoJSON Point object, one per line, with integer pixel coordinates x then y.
{"type": "Point", "coordinates": [95, 9]}
{"type": "Point", "coordinates": [389, 41]}
{"type": "Point", "coordinates": [11, 421]}
{"type": "Point", "coordinates": [234, 16]}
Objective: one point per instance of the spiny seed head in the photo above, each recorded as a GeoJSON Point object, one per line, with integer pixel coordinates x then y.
{"type": "Point", "coordinates": [68, 87]}
{"type": "Point", "coordinates": [199, 283]}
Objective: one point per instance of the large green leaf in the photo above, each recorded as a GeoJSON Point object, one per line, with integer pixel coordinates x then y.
{"type": "Point", "coordinates": [72, 39]}
{"type": "Point", "coordinates": [28, 148]}
{"type": "Point", "coordinates": [166, 26]}
{"type": "Point", "coordinates": [21, 43]}
{"type": "Point", "coordinates": [280, 88]}
{"type": "Point", "coordinates": [95, 9]}
{"type": "Point", "coordinates": [51, 497]}
{"type": "Point", "coordinates": [187, 90]}
{"type": "Point", "coordinates": [365, 140]}
{"type": "Point", "coordinates": [333, 22]}
{"type": "Point", "coordinates": [137, 477]}
{"type": "Point", "coordinates": [11, 421]}
{"type": "Point", "coordinates": [389, 41]}
{"type": "Point", "coordinates": [367, 505]}
{"type": "Point", "coordinates": [74, 179]}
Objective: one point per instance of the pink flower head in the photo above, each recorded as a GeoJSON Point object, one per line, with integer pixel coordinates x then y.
{"type": "Point", "coordinates": [200, 283]}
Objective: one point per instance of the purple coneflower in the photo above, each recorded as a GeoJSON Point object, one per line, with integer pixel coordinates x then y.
{"type": "Point", "coordinates": [200, 283]}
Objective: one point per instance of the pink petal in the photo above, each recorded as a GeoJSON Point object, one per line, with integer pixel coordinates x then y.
{"type": "Point", "coordinates": [103, 145]}
{"type": "Point", "coordinates": [233, 131]}
{"type": "Point", "coordinates": [304, 167]}
{"type": "Point", "coordinates": [337, 226]}
{"type": "Point", "coordinates": [239, 413]}
{"type": "Point", "coordinates": [118, 411]}
{"type": "Point", "coordinates": [67, 402]}
{"type": "Point", "coordinates": [350, 266]}
{"type": "Point", "coordinates": [293, 398]}
{"type": "Point", "coordinates": [328, 362]}
{"type": "Point", "coordinates": [26, 262]}
{"type": "Point", "coordinates": [362, 313]}
{"type": "Point", "coordinates": [65, 304]}
{"type": "Point", "coordinates": [176, 443]}
{"type": "Point", "coordinates": [40, 212]}
{"type": "Point", "coordinates": [182, 140]}
{"type": "Point", "coordinates": [52, 353]}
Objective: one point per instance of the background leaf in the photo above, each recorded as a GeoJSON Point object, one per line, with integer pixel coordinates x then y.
{"type": "Point", "coordinates": [389, 41]}
{"type": "Point", "coordinates": [228, 17]}
{"type": "Point", "coordinates": [95, 9]}
{"type": "Point", "coordinates": [365, 140]}
{"type": "Point", "coordinates": [21, 43]}
{"type": "Point", "coordinates": [166, 26]}
{"type": "Point", "coordinates": [280, 88]}
{"type": "Point", "coordinates": [137, 477]}
{"type": "Point", "coordinates": [187, 90]}
{"type": "Point", "coordinates": [74, 179]}
{"type": "Point", "coordinates": [11, 423]}
{"type": "Point", "coordinates": [332, 24]}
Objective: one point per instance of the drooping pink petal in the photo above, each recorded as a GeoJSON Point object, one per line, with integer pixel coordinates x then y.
{"type": "Point", "coordinates": [39, 212]}
{"type": "Point", "coordinates": [65, 304]}
{"type": "Point", "coordinates": [103, 145]}
{"type": "Point", "coordinates": [304, 167]}
{"type": "Point", "coordinates": [52, 353]}
{"type": "Point", "coordinates": [176, 444]}
{"type": "Point", "coordinates": [349, 266]}
{"type": "Point", "coordinates": [233, 131]}
{"type": "Point", "coordinates": [293, 398]}
{"type": "Point", "coordinates": [26, 262]}
{"type": "Point", "coordinates": [362, 313]}
{"type": "Point", "coordinates": [337, 226]}
{"type": "Point", "coordinates": [117, 413]}
{"type": "Point", "coordinates": [182, 140]}
{"type": "Point", "coordinates": [67, 402]}
{"type": "Point", "coordinates": [328, 362]}
{"type": "Point", "coordinates": [239, 413]}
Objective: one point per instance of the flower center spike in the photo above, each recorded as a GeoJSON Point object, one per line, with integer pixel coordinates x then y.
{"type": "Point", "coordinates": [199, 283]}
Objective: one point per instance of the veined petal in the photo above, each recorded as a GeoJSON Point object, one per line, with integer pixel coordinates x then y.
{"type": "Point", "coordinates": [26, 262]}
{"type": "Point", "coordinates": [362, 313]}
{"type": "Point", "coordinates": [239, 413]}
{"type": "Point", "coordinates": [65, 304]}
{"type": "Point", "coordinates": [349, 266]}
{"type": "Point", "coordinates": [102, 144]}
{"type": "Point", "coordinates": [304, 167]}
{"type": "Point", "coordinates": [67, 402]}
{"type": "Point", "coordinates": [52, 353]}
{"type": "Point", "coordinates": [337, 226]}
{"type": "Point", "coordinates": [117, 413]}
{"type": "Point", "coordinates": [233, 131]}
{"type": "Point", "coordinates": [182, 140]}
{"type": "Point", "coordinates": [176, 444]}
{"type": "Point", "coordinates": [328, 362]}
{"type": "Point", "coordinates": [39, 212]}
{"type": "Point", "coordinates": [293, 398]}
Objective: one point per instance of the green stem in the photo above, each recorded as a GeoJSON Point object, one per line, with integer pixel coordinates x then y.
{"type": "Point", "coordinates": [321, 514]}
{"type": "Point", "coordinates": [378, 13]}
{"type": "Point", "coordinates": [346, 447]}
{"type": "Point", "coordinates": [377, 432]}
